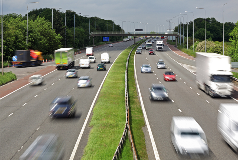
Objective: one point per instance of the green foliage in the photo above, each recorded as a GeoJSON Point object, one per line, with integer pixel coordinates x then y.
{"type": "Point", "coordinates": [7, 77]}
{"type": "Point", "coordinates": [233, 49]}
{"type": "Point", "coordinates": [211, 47]}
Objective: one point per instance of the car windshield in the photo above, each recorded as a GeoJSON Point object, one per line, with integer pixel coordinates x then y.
{"type": "Point", "coordinates": [158, 89]}
{"type": "Point", "coordinates": [159, 44]}
{"type": "Point", "coordinates": [100, 65]}
{"type": "Point", "coordinates": [160, 62]}
{"type": "Point", "coordinates": [83, 78]}
{"type": "Point", "coordinates": [151, 49]}
{"type": "Point", "coordinates": [71, 70]}
{"type": "Point", "coordinates": [190, 134]}
{"type": "Point", "coordinates": [148, 45]}
{"type": "Point", "coordinates": [169, 73]}
{"type": "Point", "coordinates": [146, 66]}
{"type": "Point", "coordinates": [137, 50]}
{"type": "Point", "coordinates": [91, 57]}
{"type": "Point", "coordinates": [221, 78]}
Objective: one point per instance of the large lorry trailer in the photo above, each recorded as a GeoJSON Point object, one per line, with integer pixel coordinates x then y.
{"type": "Point", "coordinates": [64, 58]}
{"type": "Point", "coordinates": [89, 51]}
{"type": "Point", "coordinates": [159, 45]}
{"type": "Point", "coordinates": [213, 74]}
{"type": "Point", "coordinates": [26, 58]}
{"type": "Point", "coordinates": [148, 45]}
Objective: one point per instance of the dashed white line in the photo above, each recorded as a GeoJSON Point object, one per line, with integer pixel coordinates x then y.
{"type": "Point", "coordinates": [10, 114]}
{"type": "Point", "coordinates": [207, 101]}
{"type": "Point", "coordinates": [35, 95]}
{"type": "Point", "coordinates": [190, 87]}
{"type": "Point", "coordinates": [179, 110]}
{"type": "Point", "coordinates": [198, 94]}
{"type": "Point", "coordinates": [172, 100]}
{"type": "Point", "coordinates": [24, 104]}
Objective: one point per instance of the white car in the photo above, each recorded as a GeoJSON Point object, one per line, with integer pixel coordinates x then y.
{"type": "Point", "coordinates": [110, 45]}
{"type": "Point", "coordinates": [187, 137]}
{"type": "Point", "coordinates": [140, 47]}
{"type": "Point", "coordinates": [36, 79]}
{"type": "Point", "coordinates": [92, 59]}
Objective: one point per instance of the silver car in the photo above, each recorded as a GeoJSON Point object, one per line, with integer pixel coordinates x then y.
{"type": "Point", "coordinates": [71, 73]}
{"type": "Point", "coordinates": [146, 68]}
{"type": "Point", "coordinates": [161, 64]}
{"type": "Point", "coordinates": [84, 81]}
{"type": "Point", "coordinates": [158, 92]}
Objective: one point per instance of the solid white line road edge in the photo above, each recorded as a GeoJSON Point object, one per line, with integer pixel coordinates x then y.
{"type": "Point", "coordinates": [88, 115]}
{"type": "Point", "coordinates": [145, 115]}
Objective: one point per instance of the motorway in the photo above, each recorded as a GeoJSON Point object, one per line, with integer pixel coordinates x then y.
{"type": "Point", "coordinates": [185, 100]}
{"type": "Point", "coordinates": [24, 114]}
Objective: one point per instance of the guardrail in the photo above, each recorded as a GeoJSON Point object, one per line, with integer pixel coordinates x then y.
{"type": "Point", "coordinates": [127, 125]}
{"type": "Point", "coordinates": [134, 32]}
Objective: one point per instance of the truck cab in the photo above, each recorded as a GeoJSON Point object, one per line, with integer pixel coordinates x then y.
{"type": "Point", "coordinates": [148, 45]}
{"type": "Point", "coordinates": [159, 45]}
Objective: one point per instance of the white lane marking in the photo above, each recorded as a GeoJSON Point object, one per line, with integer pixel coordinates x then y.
{"type": "Point", "coordinates": [234, 99]}
{"type": "Point", "coordinates": [219, 111]}
{"type": "Point", "coordinates": [179, 110]}
{"type": "Point", "coordinates": [53, 84]}
{"type": "Point", "coordinates": [24, 104]}
{"type": "Point", "coordinates": [145, 116]}
{"type": "Point", "coordinates": [184, 82]}
{"type": "Point", "coordinates": [190, 87]}
{"type": "Point", "coordinates": [38, 128]}
{"type": "Point", "coordinates": [45, 89]}
{"type": "Point", "coordinates": [35, 95]}
{"type": "Point", "coordinates": [207, 101]}
{"type": "Point", "coordinates": [155, 74]}
{"type": "Point", "coordinates": [198, 94]}
{"type": "Point", "coordinates": [88, 115]}
{"type": "Point", "coordinates": [10, 114]}
{"type": "Point", "coordinates": [172, 100]}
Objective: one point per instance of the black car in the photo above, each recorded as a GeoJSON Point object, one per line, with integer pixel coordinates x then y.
{"type": "Point", "coordinates": [138, 51]}
{"type": "Point", "coordinates": [62, 107]}
{"type": "Point", "coordinates": [101, 67]}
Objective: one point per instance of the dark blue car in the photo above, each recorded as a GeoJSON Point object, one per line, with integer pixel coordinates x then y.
{"type": "Point", "coordinates": [62, 107]}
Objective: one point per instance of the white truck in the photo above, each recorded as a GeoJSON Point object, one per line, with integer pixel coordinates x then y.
{"type": "Point", "coordinates": [148, 45]}
{"type": "Point", "coordinates": [89, 51]}
{"type": "Point", "coordinates": [159, 45]}
{"type": "Point", "coordinates": [227, 123]}
{"type": "Point", "coordinates": [105, 58]}
{"type": "Point", "coordinates": [213, 74]}
{"type": "Point", "coordinates": [84, 63]}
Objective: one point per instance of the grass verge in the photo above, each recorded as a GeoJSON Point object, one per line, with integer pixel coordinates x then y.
{"type": "Point", "coordinates": [108, 120]}
{"type": "Point", "coordinates": [235, 74]}
{"type": "Point", "coordinates": [7, 77]}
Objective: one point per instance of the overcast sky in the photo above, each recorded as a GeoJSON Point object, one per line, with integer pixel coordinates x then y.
{"type": "Point", "coordinates": [154, 12]}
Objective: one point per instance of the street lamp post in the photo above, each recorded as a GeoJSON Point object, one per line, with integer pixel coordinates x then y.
{"type": "Point", "coordinates": [223, 25]}
{"type": "Point", "coordinates": [122, 24]}
{"type": "Point", "coordinates": [27, 24]}
{"type": "Point", "coordinates": [183, 26]}
{"type": "Point", "coordinates": [193, 27]}
{"type": "Point", "coordinates": [52, 15]}
{"type": "Point", "coordinates": [2, 36]}
{"type": "Point", "coordinates": [205, 28]}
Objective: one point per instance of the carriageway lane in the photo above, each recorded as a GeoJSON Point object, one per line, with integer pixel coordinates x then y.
{"type": "Point", "coordinates": [185, 100]}
{"type": "Point", "coordinates": [31, 120]}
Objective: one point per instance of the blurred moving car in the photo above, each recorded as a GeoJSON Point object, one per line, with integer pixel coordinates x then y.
{"type": "Point", "coordinates": [73, 73]}
{"type": "Point", "coordinates": [110, 45]}
{"type": "Point", "coordinates": [158, 92]}
{"type": "Point", "coordinates": [45, 147]}
{"type": "Point", "coordinates": [143, 47]}
{"type": "Point", "coordinates": [161, 64]}
{"type": "Point", "coordinates": [188, 137]}
{"type": "Point", "coordinates": [84, 81]}
{"type": "Point", "coordinates": [62, 107]}
{"type": "Point", "coordinates": [140, 47]}
{"type": "Point", "coordinates": [151, 51]}
{"type": "Point", "coordinates": [36, 80]}
{"type": "Point", "coordinates": [146, 68]}
{"type": "Point", "coordinates": [92, 59]}
{"type": "Point", "coordinates": [227, 123]}
{"type": "Point", "coordinates": [169, 76]}
{"type": "Point", "coordinates": [138, 51]}
{"type": "Point", "coordinates": [101, 67]}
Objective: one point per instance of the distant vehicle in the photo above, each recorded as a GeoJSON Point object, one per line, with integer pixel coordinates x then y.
{"type": "Point", "coordinates": [140, 47]}
{"type": "Point", "coordinates": [64, 58]}
{"type": "Point", "coordinates": [143, 47]}
{"type": "Point", "coordinates": [169, 76]}
{"type": "Point", "coordinates": [188, 137]}
{"type": "Point", "coordinates": [105, 58]}
{"type": "Point", "coordinates": [148, 45]}
{"type": "Point", "coordinates": [162, 37]}
{"type": "Point", "coordinates": [62, 107]}
{"type": "Point", "coordinates": [84, 63]}
{"type": "Point", "coordinates": [92, 59]}
{"type": "Point", "coordinates": [159, 45]}
{"type": "Point", "coordinates": [158, 92]}
{"type": "Point", "coordinates": [146, 68]}
{"type": "Point", "coordinates": [227, 122]}
{"type": "Point", "coordinates": [151, 51]}
{"type": "Point", "coordinates": [47, 147]}
{"type": "Point", "coordinates": [84, 81]}
{"type": "Point", "coordinates": [138, 51]}
{"type": "Point", "coordinates": [161, 64]}
{"type": "Point", "coordinates": [25, 58]}
{"type": "Point", "coordinates": [89, 51]}
{"type": "Point", "coordinates": [71, 73]}
{"type": "Point", "coordinates": [110, 45]}
{"type": "Point", "coordinates": [125, 39]}
{"type": "Point", "coordinates": [36, 79]}
{"type": "Point", "coordinates": [101, 66]}
{"type": "Point", "coordinates": [213, 74]}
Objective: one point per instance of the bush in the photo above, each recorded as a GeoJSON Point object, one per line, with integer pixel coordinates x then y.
{"type": "Point", "coordinates": [48, 56]}
{"type": "Point", "coordinates": [7, 77]}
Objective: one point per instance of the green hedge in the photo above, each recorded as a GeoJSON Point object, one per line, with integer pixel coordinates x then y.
{"type": "Point", "coordinates": [7, 77]}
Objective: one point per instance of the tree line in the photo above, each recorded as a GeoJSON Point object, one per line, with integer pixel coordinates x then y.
{"type": "Point", "coordinates": [42, 37]}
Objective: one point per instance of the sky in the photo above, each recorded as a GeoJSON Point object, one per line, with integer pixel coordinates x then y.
{"type": "Point", "coordinates": [153, 15]}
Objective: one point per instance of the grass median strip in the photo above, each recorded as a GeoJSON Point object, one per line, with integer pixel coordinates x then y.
{"type": "Point", "coordinates": [108, 120]}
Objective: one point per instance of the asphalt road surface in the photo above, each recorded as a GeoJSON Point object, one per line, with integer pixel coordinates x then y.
{"type": "Point", "coordinates": [24, 114]}
{"type": "Point", "coordinates": [185, 100]}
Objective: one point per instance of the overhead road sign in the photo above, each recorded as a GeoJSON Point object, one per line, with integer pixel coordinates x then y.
{"type": "Point", "coordinates": [105, 39]}
{"type": "Point", "coordinates": [138, 29]}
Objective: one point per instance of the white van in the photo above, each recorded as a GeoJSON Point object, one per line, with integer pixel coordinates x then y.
{"type": "Point", "coordinates": [84, 63]}
{"type": "Point", "coordinates": [188, 137]}
{"type": "Point", "coordinates": [89, 51]}
{"type": "Point", "coordinates": [105, 58]}
{"type": "Point", "coordinates": [36, 79]}
{"type": "Point", "coordinates": [227, 123]}
{"type": "Point", "coordinates": [159, 45]}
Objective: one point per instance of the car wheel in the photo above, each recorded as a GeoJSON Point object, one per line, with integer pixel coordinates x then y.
{"type": "Point", "coordinates": [211, 93]}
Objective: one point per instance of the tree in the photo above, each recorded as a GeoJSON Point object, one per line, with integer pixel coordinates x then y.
{"type": "Point", "coordinates": [233, 50]}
